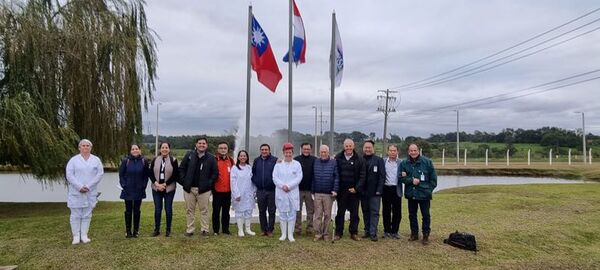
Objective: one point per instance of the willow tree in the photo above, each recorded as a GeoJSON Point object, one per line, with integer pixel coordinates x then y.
{"type": "Point", "coordinates": [69, 70]}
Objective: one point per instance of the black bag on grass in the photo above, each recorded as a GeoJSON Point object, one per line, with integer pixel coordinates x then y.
{"type": "Point", "coordinates": [462, 240]}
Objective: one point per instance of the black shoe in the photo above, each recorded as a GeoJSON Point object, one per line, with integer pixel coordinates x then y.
{"type": "Point", "coordinates": [227, 232]}
{"type": "Point", "coordinates": [136, 234]}
{"type": "Point", "coordinates": [167, 233]}
{"type": "Point", "coordinates": [425, 239]}
{"type": "Point", "coordinates": [386, 235]}
{"type": "Point", "coordinates": [413, 237]}
{"type": "Point", "coordinates": [395, 236]}
{"type": "Point", "coordinates": [374, 238]}
{"type": "Point", "coordinates": [204, 234]}
{"type": "Point", "coordinates": [188, 234]}
{"type": "Point", "coordinates": [129, 235]}
{"type": "Point", "coordinates": [155, 233]}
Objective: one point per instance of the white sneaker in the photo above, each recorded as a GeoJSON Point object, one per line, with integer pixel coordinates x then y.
{"type": "Point", "coordinates": [76, 241]}
{"type": "Point", "coordinates": [85, 239]}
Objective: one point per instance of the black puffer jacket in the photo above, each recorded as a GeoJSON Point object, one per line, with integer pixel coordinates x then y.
{"type": "Point", "coordinates": [202, 172]}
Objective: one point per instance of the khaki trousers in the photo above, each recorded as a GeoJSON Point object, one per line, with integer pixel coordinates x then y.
{"type": "Point", "coordinates": [322, 218]}
{"type": "Point", "coordinates": [193, 199]}
{"type": "Point", "coordinates": [306, 198]}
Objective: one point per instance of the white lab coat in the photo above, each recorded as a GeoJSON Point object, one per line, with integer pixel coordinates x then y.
{"type": "Point", "coordinates": [83, 173]}
{"type": "Point", "coordinates": [290, 174]}
{"type": "Point", "coordinates": [242, 186]}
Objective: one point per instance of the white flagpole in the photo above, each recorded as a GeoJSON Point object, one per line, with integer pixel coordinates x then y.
{"type": "Point", "coordinates": [290, 60]}
{"type": "Point", "coordinates": [248, 76]}
{"type": "Point", "coordinates": [332, 75]}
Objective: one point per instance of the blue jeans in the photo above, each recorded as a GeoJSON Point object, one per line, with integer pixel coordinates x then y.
{"type": "Point", "coordinates": [158, 206]}
{"type": "Point", "coordinates": [413, 206]}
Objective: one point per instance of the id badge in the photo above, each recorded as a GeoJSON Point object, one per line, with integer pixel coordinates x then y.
{"type": "Point", "coordinates": [162, 176]}
{"type": "Point", "coordinates": [422, 177]}
{"type": "Point", "coordinates": [375, 168]}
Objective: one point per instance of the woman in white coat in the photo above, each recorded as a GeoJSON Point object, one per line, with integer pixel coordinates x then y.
{"type": "Point", "coordinates": [243, 192]}
{"type": "Point", "coordinates": [84, 172]}
{"type": "Point", "coordinates": [287, 176]}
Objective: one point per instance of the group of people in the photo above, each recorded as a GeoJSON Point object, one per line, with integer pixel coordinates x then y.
{"type": "Point", "coordinates": [283, 185]}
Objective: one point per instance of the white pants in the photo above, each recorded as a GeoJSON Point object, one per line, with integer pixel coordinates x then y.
{"type": "Point", "coordinates": [80, 220]}
{"type": "Point", "coordinates": [244, 214]}
{"type": "Point", "coordinates": [287, 216]}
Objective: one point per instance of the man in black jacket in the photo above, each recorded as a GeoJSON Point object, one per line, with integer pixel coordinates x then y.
{"type": "Point", "coordinates": [351, 171]}
{"type": "Point", "coordinates": [306, 161]}
{"type": "Point", "coordinates": [372, 189]}
{"type": "Point", "coordinates": [198, 171]}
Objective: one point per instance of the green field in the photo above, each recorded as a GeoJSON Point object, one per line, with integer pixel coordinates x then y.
{"type": "Point", "coordinates": [517, 227]}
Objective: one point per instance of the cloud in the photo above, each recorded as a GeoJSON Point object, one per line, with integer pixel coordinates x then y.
{"type": "Point", "coordinates": [202, 65]}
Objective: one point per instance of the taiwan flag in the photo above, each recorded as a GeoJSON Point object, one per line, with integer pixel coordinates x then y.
{"type": "Point", "coordinates": [262, 58]}
{"type": "Point", "coordinates": [299, 42]}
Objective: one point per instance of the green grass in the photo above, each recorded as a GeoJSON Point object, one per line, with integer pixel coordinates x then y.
{"type": "Point", "coordinates": [522, 226]}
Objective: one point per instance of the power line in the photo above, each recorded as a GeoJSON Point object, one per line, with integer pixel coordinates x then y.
{"type": "Point", "coordinates": [476, 71]}
{"type": "Point", "coordinates": [513, 92]}
{"type": "Point", "coordinates": [497, 53]}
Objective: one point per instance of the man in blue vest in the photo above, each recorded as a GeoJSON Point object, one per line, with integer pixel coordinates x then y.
{"type": "Point", "coordinates": [262, 178]}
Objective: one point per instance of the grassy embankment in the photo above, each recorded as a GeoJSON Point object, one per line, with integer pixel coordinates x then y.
{"type": "Point", "coordinates": [525, 226]}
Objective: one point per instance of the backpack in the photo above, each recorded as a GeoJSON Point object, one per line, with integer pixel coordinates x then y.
{"type": "Point", "coordinates": [462, 240]}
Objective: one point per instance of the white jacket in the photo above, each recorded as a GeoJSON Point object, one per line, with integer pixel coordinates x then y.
{"type": "Point", "coordinates": [242, 186]}
{"type": "Point", "coordinates": [83, 173]}
{"type": "Point", "coordinates": [290, 174]}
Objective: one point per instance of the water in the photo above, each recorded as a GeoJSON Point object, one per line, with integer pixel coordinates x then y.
{"type": "Point", "coordinates": [17, 188]}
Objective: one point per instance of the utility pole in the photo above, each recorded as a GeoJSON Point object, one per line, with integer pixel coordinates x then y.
{"type": "Point", "coordinates": [457, 139]}
{"type": "Point", "coordinates": [386, 108]}
{"type": "Point", "coordinates": [156, 146]}
{"type": "Point", "coordinates": [316, 151]}
{"type": "Point", "coordinates": [583, 135]}
{"type": "Point", "coordinates": [321, 122]}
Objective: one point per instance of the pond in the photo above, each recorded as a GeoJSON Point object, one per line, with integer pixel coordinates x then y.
{"type": "Point", "coordinates": [18, 188]}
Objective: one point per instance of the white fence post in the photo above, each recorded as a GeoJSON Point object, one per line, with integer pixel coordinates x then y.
{"type": "Point", "coordinates": [528, 156]}
{"type": "Point", "coordinates": [550, 156]}
{"type": "Point", "coordinates": [507, 157]}
{"type": "Point", "coordinates": [443, 156]}
{"type": "Point", "coordinates": [590, 155]}
{"type": "Point", "coordinates": [465, 158]}
{"type": "Point", "coordinates": [486, 157]}
{"type": "Point", "coordinates": [569, 156]}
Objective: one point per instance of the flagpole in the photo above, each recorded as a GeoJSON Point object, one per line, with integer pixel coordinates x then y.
{"type": "Point", "coordinates": [290, 60]}
{"type": "Point", "coordinates": [248, 75]}
{"type": "Point", "coordinates": [332, 76]}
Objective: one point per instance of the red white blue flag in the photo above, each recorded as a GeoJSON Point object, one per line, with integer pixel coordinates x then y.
{"type": "Point", "coordinates": [262, 58]}
{"type": "Point", "coordinates": [299, 41]}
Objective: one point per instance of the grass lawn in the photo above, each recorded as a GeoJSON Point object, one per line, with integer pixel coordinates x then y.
{"type": "Point", "coordinates": [521, 226]}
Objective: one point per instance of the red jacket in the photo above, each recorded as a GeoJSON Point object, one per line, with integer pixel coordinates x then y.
{"type": "Point", "coordinates": [223, 182]}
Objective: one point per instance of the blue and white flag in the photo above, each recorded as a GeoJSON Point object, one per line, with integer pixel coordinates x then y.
{"type": "Point", "coordinates": [337, 56]}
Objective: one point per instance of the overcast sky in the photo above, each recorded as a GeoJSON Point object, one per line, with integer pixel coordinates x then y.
{"type": "Point", "coordinates": [202, 65]}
